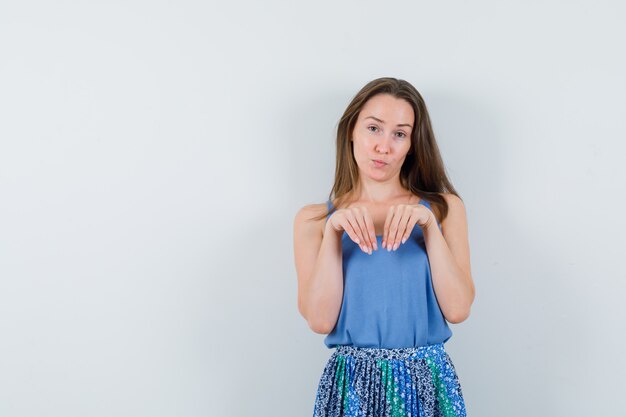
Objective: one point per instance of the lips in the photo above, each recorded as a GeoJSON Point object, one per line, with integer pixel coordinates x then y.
{"type": "Point", "coordinates": [378, 163]}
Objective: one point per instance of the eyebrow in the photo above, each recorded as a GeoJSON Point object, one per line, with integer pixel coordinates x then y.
{"type": "Point", "coordinates": [378, 120]}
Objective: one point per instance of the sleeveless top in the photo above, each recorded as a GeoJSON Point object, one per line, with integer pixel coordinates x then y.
{"type": "Point", "coordinates": [388, 296]}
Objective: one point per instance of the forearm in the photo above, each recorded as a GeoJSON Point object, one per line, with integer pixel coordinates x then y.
{"type": "Point", "coordinates": [323, 290]}
{"type": "Point", "coordinates": [453, 288]}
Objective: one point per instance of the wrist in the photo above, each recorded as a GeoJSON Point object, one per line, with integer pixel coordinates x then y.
{"type": "Point", "coordinates": [431, 224]}
{"type": "Point", "coordinates": [330, 230]}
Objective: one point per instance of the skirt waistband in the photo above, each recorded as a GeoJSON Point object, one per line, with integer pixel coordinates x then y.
{"type": "Point", "coordinates": [417, 352]}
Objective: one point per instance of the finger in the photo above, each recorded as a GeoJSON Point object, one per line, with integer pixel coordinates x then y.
{"type": "Point", "coordinates": [388, 220]}
{"type": "Point", "coordinates": [409, 226]}
{"type": "Point", "coordinates": [360, 214]}
{"type": "Point", "coordinates": [400, 222]}
{"type": "Point", "coordinates": [393, 228]}
{"type": "Point", "coordinates": [370, 229]}
{"type": "Point", "coordinates": [356, 219]}
{"type": "Point", "coordinates": [350, 229]}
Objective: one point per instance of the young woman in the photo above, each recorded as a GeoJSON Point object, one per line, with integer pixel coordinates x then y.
{"type": "Point", "coordinates": [385, 265]}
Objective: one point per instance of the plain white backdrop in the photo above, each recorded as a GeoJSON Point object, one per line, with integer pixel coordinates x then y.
{"type": "Point", "coordinates": [153, 155]}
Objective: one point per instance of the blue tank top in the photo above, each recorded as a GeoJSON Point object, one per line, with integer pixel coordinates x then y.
{"type": "Point", "coordinates": [388, 296]}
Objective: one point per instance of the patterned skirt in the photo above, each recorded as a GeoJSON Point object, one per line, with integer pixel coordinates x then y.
{"type": "Point", "coordinates": [391, 382]}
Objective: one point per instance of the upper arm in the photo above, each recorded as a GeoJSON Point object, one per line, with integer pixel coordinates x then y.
{"type": "Point", "coordinates": [455, 232]}
{"type": "Point", "coordinates": [307, 239]}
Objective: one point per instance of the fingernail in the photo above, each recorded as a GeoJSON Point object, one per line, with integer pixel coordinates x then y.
{"type": "Point", "coordinates": [396, 246]}
{"type": "Point", "coordinates": [404, 240]}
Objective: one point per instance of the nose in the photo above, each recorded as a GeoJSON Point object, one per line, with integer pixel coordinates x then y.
{"type": "Point", "coordinates": [383, 146]}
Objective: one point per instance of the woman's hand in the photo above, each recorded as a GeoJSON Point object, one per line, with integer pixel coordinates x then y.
{"type": "Point", "coordinates": [400, 221]}
{"type": "Point", "coordinates": [358, 224]}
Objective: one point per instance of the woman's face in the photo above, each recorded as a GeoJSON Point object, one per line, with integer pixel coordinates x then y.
{"type": "Point", "coordinates": [382, 136]}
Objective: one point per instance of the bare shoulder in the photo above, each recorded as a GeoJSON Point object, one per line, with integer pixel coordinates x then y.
{"type": "Point", "coordinates": [456, 211]}
{"type": "Point", "coordinates": [452, 199]}
{"type": "Point", "coordinates": [306, 221]}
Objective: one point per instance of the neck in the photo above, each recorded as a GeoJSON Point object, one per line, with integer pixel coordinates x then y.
{"type": "Point", "coordinates": [376, 192]}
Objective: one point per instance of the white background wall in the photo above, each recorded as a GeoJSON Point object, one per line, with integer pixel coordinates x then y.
{"type": "Point", "coordinates": [153, 155]}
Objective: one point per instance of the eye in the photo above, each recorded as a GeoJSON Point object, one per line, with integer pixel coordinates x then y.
{"type": "Point", "coordinates": [403, 134]}
{"type": "Point", "coordinates": [373, 127]}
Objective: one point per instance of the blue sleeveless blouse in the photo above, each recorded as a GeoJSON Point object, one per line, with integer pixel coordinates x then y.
{"type": "Point", "coordinates": [388, 296]}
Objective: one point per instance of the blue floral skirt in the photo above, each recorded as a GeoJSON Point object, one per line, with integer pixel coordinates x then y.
{"type": "Point", "coordinates": [391, 382]}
